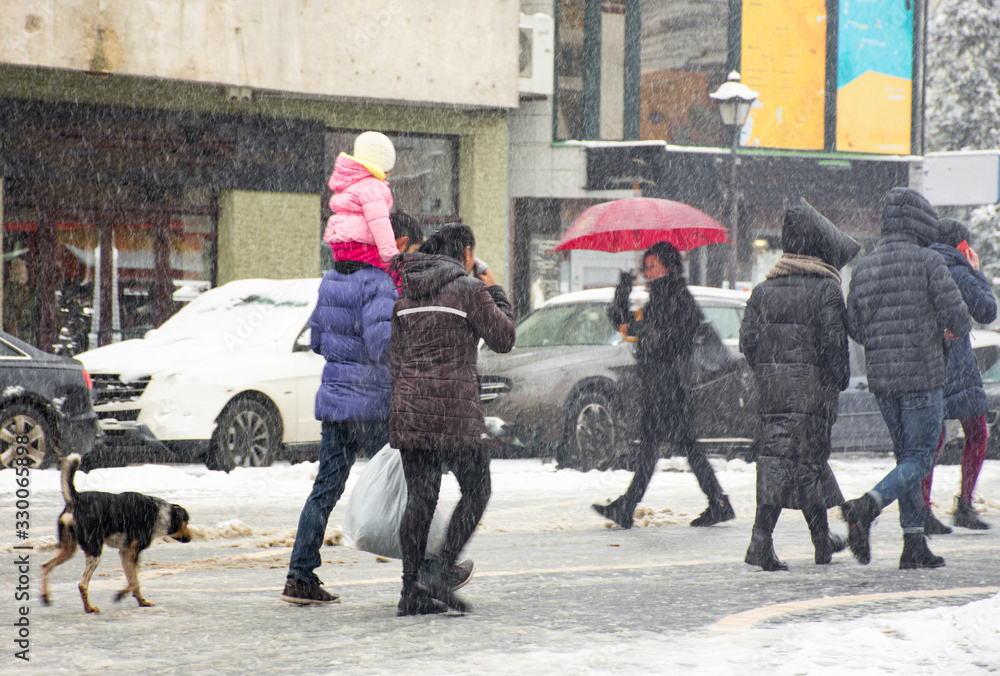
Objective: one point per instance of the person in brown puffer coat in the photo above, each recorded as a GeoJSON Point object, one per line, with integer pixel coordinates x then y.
{"type": "Point", "coordinates": [436, 416]}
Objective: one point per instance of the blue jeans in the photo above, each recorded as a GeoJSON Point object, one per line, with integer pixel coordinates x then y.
{"type": "Point", "coordinates": [339, 444]}
{"type": "Point", "coordinates": [914, 421]}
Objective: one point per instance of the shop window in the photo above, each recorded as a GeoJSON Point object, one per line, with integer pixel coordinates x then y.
{"type": "Point", "coordinates": [424, 181]}
{"type": "Point", "coordinates": [162, 254]}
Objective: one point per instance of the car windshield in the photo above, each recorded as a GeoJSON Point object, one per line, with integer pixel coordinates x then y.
{"type": "Point", "coordinates": [244, 313]}
{"type": "Point", "coordinates": [567, 324]}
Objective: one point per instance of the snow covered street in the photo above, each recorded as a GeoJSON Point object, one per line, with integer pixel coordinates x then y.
{"type": "Point", "coordinates": [556, 590]}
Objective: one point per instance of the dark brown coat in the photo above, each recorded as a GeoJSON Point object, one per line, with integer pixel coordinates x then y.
{"type": "Point", "coordinates": [437, 322]}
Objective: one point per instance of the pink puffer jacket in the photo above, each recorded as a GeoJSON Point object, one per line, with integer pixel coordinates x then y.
{"type": "Point", "coordinates": [360, 204]}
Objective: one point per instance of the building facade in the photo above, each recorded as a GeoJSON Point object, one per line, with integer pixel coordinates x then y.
{"type": "Point", "coordinates": [837, 122]}
{"type": "Point", "coordinates": [147, 149]}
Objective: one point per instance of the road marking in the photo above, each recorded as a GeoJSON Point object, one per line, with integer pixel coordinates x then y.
{"type": "Point", "coordinates": [749, 618]}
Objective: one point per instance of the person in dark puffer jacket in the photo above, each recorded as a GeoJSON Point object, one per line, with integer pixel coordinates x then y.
{"type": "Point", "coordinates": [964, 398]}
{"type": "Point", "coordinates": [666, 333]}
{"type": "Point", "coordinates": [794, 336]}
{"type": "Point", "coordinates": [902, 306]}
{"type": "Point", "coordinates": [437, 417]}
{"type": "Point", "coordinates": [350, 327]}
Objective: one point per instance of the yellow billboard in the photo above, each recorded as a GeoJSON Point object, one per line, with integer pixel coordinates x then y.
{"type": "Point", "coordinates": [783, 57]}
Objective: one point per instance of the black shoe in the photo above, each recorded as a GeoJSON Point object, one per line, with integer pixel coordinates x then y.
{"type": "Point", "coordinates": [932, 526]}
{"type": "Point", "coordinates": [436, 581]}
{"type": "Point", "coordinates": [761, 553]}
{"type": "Point", "coordinates": [966, 517]}
{"type": "Point", "coordinates": [461, 573]}
{"type": "Point", "coordinates": [916, 554]}
{"type": "Point", "coordinates": [827, 547]}
{"type": "Point", "coordinates": [307, 593]}
{"type": "Point", "coordinates": [859, 515]}
{"type": "Point", "coordinates": [418, 602]}
{"type": "Point", "coordinates": [615, 512]}
{"type": "Point", "coordinates": [718, 511]}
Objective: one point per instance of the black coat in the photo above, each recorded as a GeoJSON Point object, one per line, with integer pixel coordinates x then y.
{"type": "Point", "coordinates": [670, 320]}
{"type": "Point", "coordinates": [794, 337]}
{"type": "Point", "coordinates": [902, 298]}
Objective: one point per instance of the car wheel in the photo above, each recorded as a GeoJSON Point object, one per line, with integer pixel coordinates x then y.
{"type": "Point", "coordinates": [25, 431]}
{"type": "Point", "coordinates": [591, 432]}
{"type": "Point", "coordinates": [248, 435]}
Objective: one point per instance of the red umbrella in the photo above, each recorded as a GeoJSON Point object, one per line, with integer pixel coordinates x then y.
{"type": "Point", "coordinates": [636, 223]}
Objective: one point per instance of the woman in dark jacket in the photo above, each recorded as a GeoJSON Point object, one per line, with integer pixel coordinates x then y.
{"type": "Point", "coordinates": [794, 336]}
{"type": "Point", "coordinates": [436, 416]}
{"type": "Point", "coordinates": [670, 320]}
{"type": "Point", "coordinates": [964, 398]}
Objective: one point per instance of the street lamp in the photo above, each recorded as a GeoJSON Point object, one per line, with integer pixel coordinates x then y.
{"type": "Point", "coordinates": [735, 100]}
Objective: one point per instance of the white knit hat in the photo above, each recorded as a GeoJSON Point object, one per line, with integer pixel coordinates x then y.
{"type": "Point", "coordinates": [371, 147]}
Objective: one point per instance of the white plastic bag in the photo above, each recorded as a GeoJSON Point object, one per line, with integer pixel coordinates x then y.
{"type": "Point", "coordinates": [375, 509]}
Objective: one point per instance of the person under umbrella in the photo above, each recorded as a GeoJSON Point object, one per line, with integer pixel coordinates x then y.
{"type": "Point", "coordinates": [794, 336]}
{"type": "Point", "coordinates": [670, 321]}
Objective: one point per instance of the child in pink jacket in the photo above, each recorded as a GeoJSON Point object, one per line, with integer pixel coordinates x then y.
{"type": "Point", "coordinates": [359, 229]}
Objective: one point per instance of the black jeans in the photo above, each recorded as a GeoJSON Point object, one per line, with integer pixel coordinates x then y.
{"type": "Point", "coordinates": [423, 470]}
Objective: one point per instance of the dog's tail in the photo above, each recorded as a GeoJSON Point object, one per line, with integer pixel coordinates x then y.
{"type": "Point", "coordinates": [69, 467]}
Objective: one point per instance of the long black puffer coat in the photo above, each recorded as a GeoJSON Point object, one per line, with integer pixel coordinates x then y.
{"type": "Point", "coordinates": [670, 320]}
{"type": "Point", "coordinates": [794, 336]}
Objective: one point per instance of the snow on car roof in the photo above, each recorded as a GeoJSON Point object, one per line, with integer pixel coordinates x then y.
{"type": "Point", "coordinates": [607, 293]}
{"type": "Point", "coordinates": [254, 310]}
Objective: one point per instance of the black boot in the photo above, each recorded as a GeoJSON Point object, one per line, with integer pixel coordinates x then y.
{"type": "Point", "coordinates": [415, 601]}
{"type": "Point", "coordinates": [932, 526]}
{"type": "Point", "coordinates": [719, 510]}
{"type": "Point", "coordinates": [615, 511]}
{"type": "Point", "coordinates": [966, 517]}
{"type": "Point", "coordinates": [761, 552]}
{"type": "Point", "coordinates": [435, 579]}
{"type": "Point", "coordinates": [916, 554]}
{"type": "Point", "coordinates": [825, 543]}
{"type": "Point", "coordinates": [825, 547]}
{"type": "Point", "coordinates": [859, 515]}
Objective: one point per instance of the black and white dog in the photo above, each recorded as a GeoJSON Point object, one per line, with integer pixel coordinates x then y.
{"type": "Point", "coordinates": [128, 522]}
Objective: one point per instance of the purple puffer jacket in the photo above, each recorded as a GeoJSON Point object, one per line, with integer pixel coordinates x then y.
{"type": "Point", "coordinates": [351, 328]}
{"type": "Point", "coordinates": [361, 204]}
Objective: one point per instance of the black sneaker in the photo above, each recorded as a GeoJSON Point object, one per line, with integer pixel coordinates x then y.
{"type": "Point", "coordinates": [461, 573]}
{"type": "Point", "coordinates": [307, 593]}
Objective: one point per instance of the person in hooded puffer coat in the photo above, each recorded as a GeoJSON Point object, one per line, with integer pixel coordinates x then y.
{"type": "Point", "coordinates": [964, 397]}
{"type": "Point", "coordinates": [902, 307]}
{"type": "Point", "coordinates": [670, 321]}
{"type": "Point", "coordinates": [360, 229]}
{"type": "Point", "coordinates": [794, 336]}
{"type": "Point", "coordinates": [436, 418]}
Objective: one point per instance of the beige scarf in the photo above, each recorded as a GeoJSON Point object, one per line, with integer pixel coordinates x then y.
{"type": "Point", "coordinates": [795, 264]}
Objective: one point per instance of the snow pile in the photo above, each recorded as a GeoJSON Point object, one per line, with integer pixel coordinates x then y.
{"type": "Point", "coordinates": [951, 640]}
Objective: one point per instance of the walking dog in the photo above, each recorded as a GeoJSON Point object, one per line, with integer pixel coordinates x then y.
{"type": "Point", "coordinates": [129, 522]}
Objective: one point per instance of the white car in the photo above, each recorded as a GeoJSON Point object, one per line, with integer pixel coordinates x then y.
{"type": "Point", "coordinates": [229, 379]}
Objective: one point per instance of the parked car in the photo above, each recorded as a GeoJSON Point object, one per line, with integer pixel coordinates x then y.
{"type": "Point", "coordinates": [45, 406]}
{"type": "Point", "coordinates": [228, 380]}
{"type": "Point", "coordinates": [567, 389]}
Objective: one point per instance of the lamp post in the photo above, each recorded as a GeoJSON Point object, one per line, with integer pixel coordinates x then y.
{"type": "Point", "coordinates": [735, 100]}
